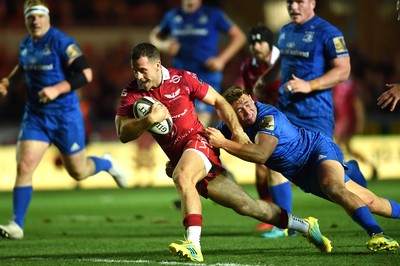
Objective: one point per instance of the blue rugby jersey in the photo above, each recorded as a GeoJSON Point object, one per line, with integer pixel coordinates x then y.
{"type": "Point", "coordinates": [44, 62]}
{"type": "Point", "coordinates": [306, 52]}
{"type": "Point", "coordinates": [198, 34]}
{"type": "Point", "coordinates": [297, 150]}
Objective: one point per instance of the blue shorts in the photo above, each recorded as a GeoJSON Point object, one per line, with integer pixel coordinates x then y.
{"type": "Point", "coordinates": [307, 179]}
{"type": "Point", "coordinates": [213, 79]}
{"type": "Point", "coordinates": [66, 131]}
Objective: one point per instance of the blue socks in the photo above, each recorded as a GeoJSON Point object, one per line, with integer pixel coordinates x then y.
{"type": "Point", "coordinates": [395, 209]}
{"type": "Point", "coordinates": [100, 164]}
{"type": "Point", "coordinates": [282, 196]}
{"type": "Point", "coordinates": [21, 198]}
{"type": "Point", "coordinates": [355, 174]}
{"type": "Point", "coordinates": [364, 218]}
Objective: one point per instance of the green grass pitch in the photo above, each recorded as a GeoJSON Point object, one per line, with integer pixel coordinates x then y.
{"type": "Point", "coordinates": [135, 226]}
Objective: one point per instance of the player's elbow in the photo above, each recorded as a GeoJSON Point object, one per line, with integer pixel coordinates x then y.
{"type": "Point", "coordinates": [88, 74]}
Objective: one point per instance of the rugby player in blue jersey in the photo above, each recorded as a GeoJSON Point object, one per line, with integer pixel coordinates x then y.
{"type": "Point", "coordinates": [190, 34]}
{"type": "Point", "coordinates": [307, 158]}
{"type": "Point", "coordinates": [313, 59]}
{"type": "Point", "coordinates": [53, 67]}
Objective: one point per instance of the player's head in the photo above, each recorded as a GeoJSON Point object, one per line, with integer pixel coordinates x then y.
{"type": "Point", "coordinates": [146, 65]}
{"type": "Point", "coordinates": [190, 6]}
{"type": "Point", "coordinates": [37, 17]}
{"type": "Point", "coordinates": [260, 40]}
{"type": "Point", "coordinates": [300, 11]}
{"type": "Point", "coordinates": [242, 104]}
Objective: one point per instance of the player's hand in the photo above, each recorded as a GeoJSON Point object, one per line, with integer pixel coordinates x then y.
{"type": "Point", "coordinates": [215, 64]}
{"type": "Point", "coordinates": [297, 85]}
{"type": "Point", "coordinates": [48, 94]}
{"type": "Point", "coordinates": [158, 113]}
{"type": "Point", "coordinates": [215, 137]}
{"type": "Point", "coordinates": [4, 83]}
{"type": "Point", "coordinates": [390, 96]}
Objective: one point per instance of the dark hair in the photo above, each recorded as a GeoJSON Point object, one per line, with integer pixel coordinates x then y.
{"type": "Point", "coordinates": [260, 33]}
{"type": "Point", "coordinates": [145, 50]}
{"type": "Point", "coordinates": [233, 94]}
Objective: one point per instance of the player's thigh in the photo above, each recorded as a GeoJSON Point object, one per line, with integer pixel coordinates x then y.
{"type": "Point", "coordinates": [29, 154]}
{"type": "Point", "coordinates": [69, 136]}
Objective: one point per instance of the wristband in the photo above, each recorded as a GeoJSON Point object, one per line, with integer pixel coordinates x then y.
{"type": "Point", "coordinates": [314, 84]}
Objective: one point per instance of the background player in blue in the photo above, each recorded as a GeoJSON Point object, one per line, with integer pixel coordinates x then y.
{"type": "Point", "coordinates": [53, 67]}
{"type": "Point", "coordinates": [309, 159]}
{"type": "Point", "coordinates": [313, 59]}
{"type": "Point", "coordinates": [190, 34]}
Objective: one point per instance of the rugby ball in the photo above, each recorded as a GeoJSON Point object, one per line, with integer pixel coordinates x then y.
{"type": "Point", "coordinates": [142, 107]}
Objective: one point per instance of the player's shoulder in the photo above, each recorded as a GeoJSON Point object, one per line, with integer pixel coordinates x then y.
{"type": "Point", "coordinates": [324, 26]}
{"type": "Point", "coordinates": [58, 38]}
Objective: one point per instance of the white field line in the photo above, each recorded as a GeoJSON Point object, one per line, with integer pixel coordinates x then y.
{"type": "Point", "coordinates": [150, 262]}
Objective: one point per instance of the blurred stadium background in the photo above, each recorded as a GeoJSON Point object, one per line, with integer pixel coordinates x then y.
{"type": "Point", "coordinates": [107, 30]}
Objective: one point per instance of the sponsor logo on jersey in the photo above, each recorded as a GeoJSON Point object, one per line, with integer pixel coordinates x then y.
{"type": "Point", "coordinates": [340, 45]}
{"type": "Point", "coordinates": [320, 157]}
{"type": "Point", "coordinates": [176, 78]}
{"type": "Point", "coordinates": [73, 51]}
{"type": "Point", "coordinates": [308, 36]}
{"type": "Point", "coordinates": [173, 95]}
{"type": "Point", "coordinates": [267, 123]}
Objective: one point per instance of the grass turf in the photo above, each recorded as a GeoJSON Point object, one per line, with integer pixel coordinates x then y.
{"type": "Point", "coordinates": [135, 226]}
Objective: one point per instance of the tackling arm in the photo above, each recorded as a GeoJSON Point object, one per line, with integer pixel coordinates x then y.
{"type": "Point", "coordinates": [259, 152]}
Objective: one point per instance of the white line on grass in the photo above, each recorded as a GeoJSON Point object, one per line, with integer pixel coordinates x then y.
{"type": "Point", "coordinates": [150, 262]}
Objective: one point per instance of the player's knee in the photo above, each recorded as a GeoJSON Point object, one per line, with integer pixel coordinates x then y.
{"type": "Point", "coordinates": [372, 205]}
{"type": "Point", "coordinates": [24, 168]}
{"type": "Point", "coordinates": [181, 180]}
{"type": "Point", "coordinates": [77, 174]}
